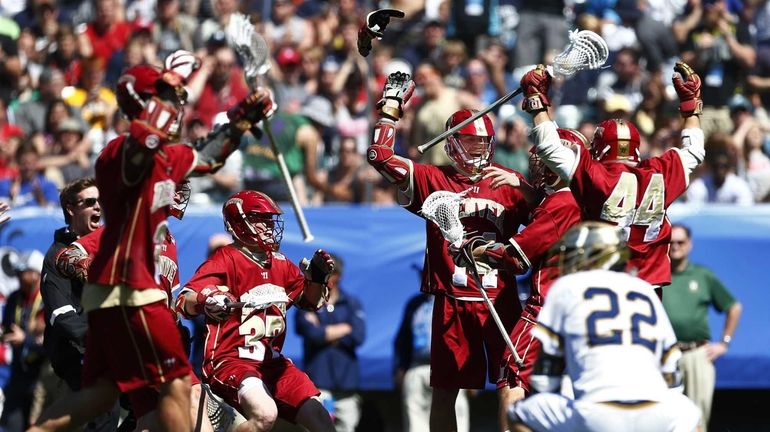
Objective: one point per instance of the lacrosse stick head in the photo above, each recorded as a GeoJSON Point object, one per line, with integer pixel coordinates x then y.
{"type": "Point", "coordinates": [586, 50]}
{"type": "Point", "coordinates": [250, 46]}
{"type": "Point", "coordinates": [443, 209]}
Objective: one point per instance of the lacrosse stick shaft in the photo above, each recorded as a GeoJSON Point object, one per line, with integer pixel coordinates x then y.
{"type": "Point", "coordinates": [423, 148]}
{"type": "Point", "coordinates": [492, 311]}
{"type": "Point", "coordinates": [279, 159]}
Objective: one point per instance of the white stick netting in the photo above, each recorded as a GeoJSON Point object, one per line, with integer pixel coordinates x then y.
{"type": "Point", "coordinates": [443, 208]}
{"type": "Point", "coordinates": [586, 50]}
{"type": "Point", "coordinates": [250, 45]}
{"type": "Point", "coordinates": [221, 415]}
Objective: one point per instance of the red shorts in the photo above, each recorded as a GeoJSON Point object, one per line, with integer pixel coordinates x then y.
{"type": "Point", "coordinates": [288, 386]}
{"type": "Point", "coordinates": [134, 347]}
{"type": "Point", "coordinates": [527, 347]}
{"type": "Point", "coordinates": [145, 400]}
{"type": "Point", "coordinates": [466, 343]}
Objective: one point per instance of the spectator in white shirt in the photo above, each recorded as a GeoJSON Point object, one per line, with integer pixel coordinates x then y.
{"type": "Point", "coordinates": [720, 184]}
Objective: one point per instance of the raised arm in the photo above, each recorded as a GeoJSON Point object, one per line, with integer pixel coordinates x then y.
{"type": "Point", "coordinates": [687, 84]}
{"type": "Point", "coordinates": [560, 159]}
{"type": "Point", "coordinates": [396, 169]}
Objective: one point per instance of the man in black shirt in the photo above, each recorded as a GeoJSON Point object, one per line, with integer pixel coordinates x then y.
{"type": "Point", "coordinates": [66, 325]}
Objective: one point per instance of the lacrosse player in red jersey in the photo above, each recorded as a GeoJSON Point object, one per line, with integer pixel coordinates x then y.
{"type": "Point", "coordinates": [525, 251]}
{"type": "Point", "coordinates": [138, 174]}
{"type": "Point", "coordinates": [611, 183]}
{"type": "Point", "coordinates": [466, 344]}
{"type": "Point", "coordinates": [243, 363]}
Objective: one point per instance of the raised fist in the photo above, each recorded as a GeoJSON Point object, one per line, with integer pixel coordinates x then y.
{"type": "Point", "coordinates": [687, 84]}
{"type": "Point", "coordinates": [214, 302]}
{"type": "Point", "coordinates": [397, 92]}
{"type": "Point", "coordinates": [374, 27]}
{"type": "Point", "coordinates": [252, 109]}
{"type": "Point", "coordinates": [319, 268]}
{"type": "Point", "coordinates": [535, 85]}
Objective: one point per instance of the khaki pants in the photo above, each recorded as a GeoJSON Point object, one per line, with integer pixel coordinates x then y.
{"type": "Point", "coordinates": [699, 380]}
{"type": "Point", "coordinates": [715, 120]}
{"type": "Point", "coordinates": [416, 398]}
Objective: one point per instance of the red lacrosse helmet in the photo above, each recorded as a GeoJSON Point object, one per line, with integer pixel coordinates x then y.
{"type": "Point", "coordinates": [540, 175]}
{"type": "Point", "coordinates": [254, 220]}
{"type": "Point", "coordinates": [181, 199]}
{"type": "Point", "coordinates": [472, 147]}
{"type": "Point", "coordinates": [616, 140]}
{"type": "Point", "coordinates": [135, 87]}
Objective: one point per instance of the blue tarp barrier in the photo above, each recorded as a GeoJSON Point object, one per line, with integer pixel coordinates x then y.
{"type": "Point", "coordinates": [381, 246]}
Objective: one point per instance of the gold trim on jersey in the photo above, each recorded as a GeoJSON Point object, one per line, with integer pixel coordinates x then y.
{"type": "Point", "coordinates": [152, 347]}
{"type": "Point", "coordinates": [98, 296]}
{"type": "Point", "coordinates": [133, 342]}
{"type": "Point", "coordinates": [629, 405]}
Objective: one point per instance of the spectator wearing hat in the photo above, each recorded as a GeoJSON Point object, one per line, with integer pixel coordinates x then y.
{"type": "Point", "coordinates": [299, 138]}
{"type": "Point", "coordinates": [23, 325]}
{"type": "Point", "coordinates": [70, 155]}
{"type": "Point", "coordinates": [30, 188]}
{"type": "Point", "coordinates": [217, 86]}
{"type": "Point", "coordinates": [287, 81]}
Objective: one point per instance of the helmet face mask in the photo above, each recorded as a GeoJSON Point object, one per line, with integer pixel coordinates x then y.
{"type": "Point", "coordinates": [472, 148]}
{"type": "Point", "coordinates": [254, 220]}
{"type": "Point", "coordinates": [616, 140]}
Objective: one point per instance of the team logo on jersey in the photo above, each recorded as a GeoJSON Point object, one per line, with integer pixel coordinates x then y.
{"type": "Point", "coordinates": [484, 208]}
{"type": "Point", "coordinates": [693, 285]}
{"type": "Point", "coordinates": [163, 194]}
{"type": "Point", "coordinates": [152, 141]}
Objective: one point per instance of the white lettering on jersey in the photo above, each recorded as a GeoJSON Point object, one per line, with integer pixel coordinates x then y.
{"type": "Point", "coordinates": [483, 208]}
{"type": "Point", "coordinates": [167, 268]}
{"type": "Point", "coordinates": [163, 194]}
{"type": "Point", "coordinates": [264, 316]}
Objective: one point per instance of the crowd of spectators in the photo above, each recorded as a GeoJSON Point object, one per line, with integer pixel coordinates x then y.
{"type": "Point", "coordinates": [59, 61]}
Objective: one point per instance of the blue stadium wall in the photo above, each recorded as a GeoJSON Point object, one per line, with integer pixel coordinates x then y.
{"type": "Point", "coordinates": [382, 246]}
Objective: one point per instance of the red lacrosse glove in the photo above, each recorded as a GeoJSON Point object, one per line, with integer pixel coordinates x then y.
{"type": "Point", "coordinates": [255, 107]}
{"type": "Point", "coordinates": [319, 268]}
{"type": "Point", "coordinates": [687, 85]}
{"type": "Point", "coordinates": [214, 302]}
{"type": "Point", "coordinates": [535, 85]}
{"type": "Point", "coordinates": [499, 256]}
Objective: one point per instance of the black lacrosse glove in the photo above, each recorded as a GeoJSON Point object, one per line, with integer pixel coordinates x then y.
{"type": "Point", "coordinates": [374, 27]}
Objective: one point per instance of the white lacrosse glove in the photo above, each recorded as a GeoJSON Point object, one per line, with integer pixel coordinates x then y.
{"type": "Point", "coordinates": [213, 302]}
{"type": "Point", "coordinates": [179, 66]}
{"type": "Point", "coordinates": [395, 95]}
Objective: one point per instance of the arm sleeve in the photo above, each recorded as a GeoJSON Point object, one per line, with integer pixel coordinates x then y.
{"type": "Point", "coordinates": [358, 334]}
{"type": "Point", "coordinates": [62, 314]}
{"type": "Point", "coordinates": [311, 333]}
{"type": "Point", "coordinates": [692, 151]}
{"type": "Point", "coordinates": [550, 321]}
{"type": "Point", "coordinates": [560, 159]}
{"type": "Point", "coordinates": [720, 296]}
{"type": "Point", "coordinates": [534, 240]}
{"type": "Point", "coordinates": [402, 348]}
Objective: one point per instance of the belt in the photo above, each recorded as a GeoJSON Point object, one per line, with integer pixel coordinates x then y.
{"type": "Point", "coordinates": [687, 346]}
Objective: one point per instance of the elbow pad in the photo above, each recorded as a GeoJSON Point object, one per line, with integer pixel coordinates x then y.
{"type": "Point", "coordinates": [73, 263]}
{"type": "Point", "coordinates": [381, 156]}
{"type": "Point", "coordinates": [214, 149]}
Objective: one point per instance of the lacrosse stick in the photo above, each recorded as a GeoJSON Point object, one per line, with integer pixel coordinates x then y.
{"type": "Point", "coordinates": [221, 415]}
{"type": "Point", "coordinates": [253, 51]}
{"type": "Point", "coordinates": [586, 50]}
{"type": "Point", "coordinates": [443, 209]}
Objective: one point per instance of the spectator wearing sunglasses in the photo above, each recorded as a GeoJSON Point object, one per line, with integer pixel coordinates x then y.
{"type": "Point", "coordinates": [720, 184]}
{"type": "Point", "coordinates": [66, 324]}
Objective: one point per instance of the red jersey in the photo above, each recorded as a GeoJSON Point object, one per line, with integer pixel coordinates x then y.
{"type": "Point", "coordinates": [167, 263]}
{"type": "Point", "coordinates": [550, 220]}
{"type": "Point", "coordinates": [106, 43]}
{"type": "Point", "coordinates": [254, 333]}
{"type": "Point", "coordinates": [135, 215]}
{"type": "Point", "coordinates": [636, 199]}
{"type": "Point", "coordinates": [493, 213]}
